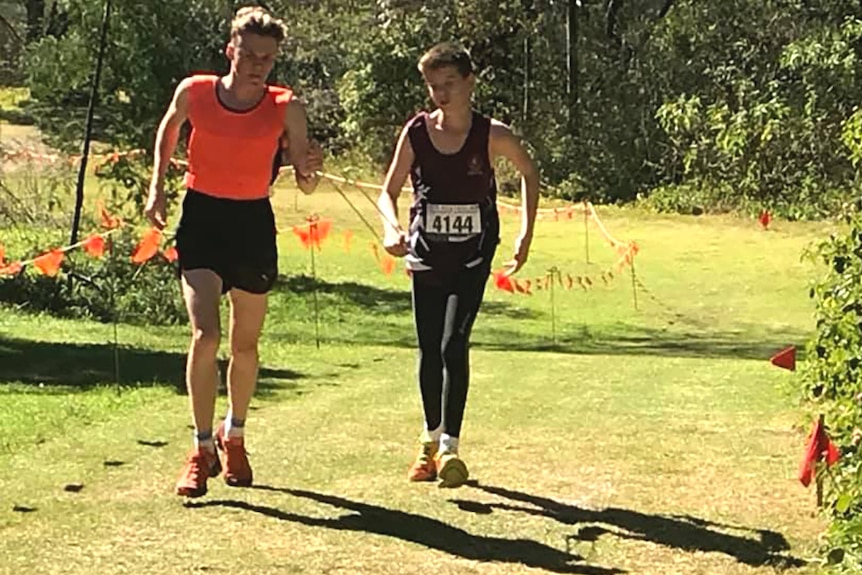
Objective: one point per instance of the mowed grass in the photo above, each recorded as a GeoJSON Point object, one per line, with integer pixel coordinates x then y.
{"type": "Point", "coordinates": [602, 438]}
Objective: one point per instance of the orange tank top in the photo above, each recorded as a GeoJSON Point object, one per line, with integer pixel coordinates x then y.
{"type": "Point", "coordinates": [230, 153]}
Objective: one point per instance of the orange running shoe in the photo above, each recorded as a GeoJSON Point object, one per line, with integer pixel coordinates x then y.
{"type": "Point", "coordinates": [237, 469]}
{"type": "Point", "coordinates": [200, 466]}
{"type": "Point", "coordinates": [424, 468]}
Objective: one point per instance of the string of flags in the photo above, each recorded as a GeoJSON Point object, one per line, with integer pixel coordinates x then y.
{"type": "Point", "coordinates": [312, 234]}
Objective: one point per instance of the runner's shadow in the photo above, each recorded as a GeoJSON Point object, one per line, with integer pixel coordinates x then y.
{"type": "Point", "coordinates": [681, 532]}
{"type": "Point", "coordinates": [422, 530]}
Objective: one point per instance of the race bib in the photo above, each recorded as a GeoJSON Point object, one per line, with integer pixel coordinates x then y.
{"type": "Point", "coordinates": [453, 222]}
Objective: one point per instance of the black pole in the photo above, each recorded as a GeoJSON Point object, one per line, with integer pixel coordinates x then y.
{"type": "Point", "coordinates": [85, 152]}
{"type": "Point", "coordinates": [572, 33]}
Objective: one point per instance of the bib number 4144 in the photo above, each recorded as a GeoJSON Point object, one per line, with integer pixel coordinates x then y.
{"type": "Point", "coordinates": [453, 220]}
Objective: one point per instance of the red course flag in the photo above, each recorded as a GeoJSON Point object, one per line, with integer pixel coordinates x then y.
{"type": "Point", "coordinates": [503, 282]}
{"type": "Point", "coordinates": [786, 358]}
{"type": "Point", "coordinates": [819, 447]}
{"type": "Point", "coordinates": [764, 219]}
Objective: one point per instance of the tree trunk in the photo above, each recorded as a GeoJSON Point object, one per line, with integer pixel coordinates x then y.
{"type": "Point", "coordinates": [35, 19]}
{"type": "Point", "coordinates": [572, 64]}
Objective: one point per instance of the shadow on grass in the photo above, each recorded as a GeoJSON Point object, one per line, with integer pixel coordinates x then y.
{"type": "Point", "coordinates": [84, 366]}
{"type": "Point", "coordinates": [388, 314]}
{"type": "Point", "coordinates": [617, 340]}
{"type": "Point", "coordinates": [383, 301]}
{"type": "Point", "coordinates": [422, 530]}
{"type": "Point", "coordinates": [685, 533]}
{"type": "Point", "coordinates": [624, 339]}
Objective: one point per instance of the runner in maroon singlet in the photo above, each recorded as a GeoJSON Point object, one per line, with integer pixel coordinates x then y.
{"type": "Point", "coordinates": [451, 241]}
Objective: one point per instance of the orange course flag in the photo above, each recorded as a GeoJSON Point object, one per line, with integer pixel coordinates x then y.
{"type": "Point", "coordinates": [171, 254]}
{"type": "Point", "coordinates": [95, 246]}
{"type": "Point", "coordinates": [49, 262]}
{"type": "Point", "coordinates": [148, 246]}
{"type": "Point", "coordinates": [388, 265]}
{"type": "Point", "coordinates": [11, 269]}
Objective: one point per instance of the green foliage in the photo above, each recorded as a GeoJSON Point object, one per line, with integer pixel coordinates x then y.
{"type": "Point", "coordinates": [735, 105]}
{"type": "Point", "coordinates": [152, 46]}
{"type": "Point", "coordinates": [105, 289]}
{"type": "Point", "coordinates": [832, 380]}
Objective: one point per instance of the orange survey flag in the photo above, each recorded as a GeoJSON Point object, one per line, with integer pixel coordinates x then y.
{"type": "Point", "coordinates": [95, 246]}
{"type": "Point", "coordinates": [148, 246]}
{"type": "Point", "coordinates": [49, 263]}
{"type": "Point", "coordinates": [819, 447]}
{"type": "Point", "coordinates": [171, 254]}
{"type": "Point", "coordinates": [313, 233]}
{"type": "Point", "coordinates": [304, 235]}
{"type": "Point", "coordinates": [11, 269]}
{"type": "Point", "coordinates": [388, 265]}
{"type": "Point", "coordinates": [322, 230]}
{"type": "Point", "coordinates": [348, 238]}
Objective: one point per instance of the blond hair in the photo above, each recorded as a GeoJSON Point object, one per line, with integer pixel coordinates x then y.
{"type": "Point", "coordinates": [257, 20]}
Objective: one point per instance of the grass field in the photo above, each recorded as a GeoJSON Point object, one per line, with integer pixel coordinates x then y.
{"type": "Point", "coordinates": [602, 438]}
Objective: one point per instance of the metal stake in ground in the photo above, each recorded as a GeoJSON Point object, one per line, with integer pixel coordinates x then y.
{"type": "Point", "coordinates": [634, 284]}
{"type": "Point", "coordinates": [313, 235]}
{"type": "Point", "coordinates": [587, 229]}
{"type": "Point", "coordinates": [818, 480]}
{"type": "Point", "coordinates": [552, 276]}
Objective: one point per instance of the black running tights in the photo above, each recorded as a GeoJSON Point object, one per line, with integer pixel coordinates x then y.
{"type": "Point", "coordinates": [444, 309]}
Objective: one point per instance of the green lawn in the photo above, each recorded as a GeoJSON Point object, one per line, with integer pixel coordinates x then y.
{"type": "Point", "coordinates": [602, 438]}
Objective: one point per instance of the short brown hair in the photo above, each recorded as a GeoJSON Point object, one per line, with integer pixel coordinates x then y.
{"type": "Point", "coordinates": [447, 54]}
{"type": "Point", "coordinates": [257, 20]}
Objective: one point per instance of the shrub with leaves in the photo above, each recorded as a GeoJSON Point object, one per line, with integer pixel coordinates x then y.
{"type": "Point", "coordinates": [104, 289]}
{"type": "Point", "coordinates": [832, 382]}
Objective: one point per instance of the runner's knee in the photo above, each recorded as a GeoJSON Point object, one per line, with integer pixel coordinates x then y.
{"type": "Point", "coordinates": [205, 340]}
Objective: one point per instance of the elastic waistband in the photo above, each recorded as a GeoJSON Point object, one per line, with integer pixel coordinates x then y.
{"type": "Point", "coordinates": [196, 195]}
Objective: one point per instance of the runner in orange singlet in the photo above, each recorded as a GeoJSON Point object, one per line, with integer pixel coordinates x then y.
{"type": "Point", "coordinates": [226, 235]}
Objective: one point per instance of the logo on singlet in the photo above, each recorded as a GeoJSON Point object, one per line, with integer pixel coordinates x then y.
{"type": "Point", "coordinates": [474, 167]}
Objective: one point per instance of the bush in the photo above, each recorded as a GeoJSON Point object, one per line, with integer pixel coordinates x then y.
{"type": "Point", "coordinates": [832, 382]}
{"type": "Point", "coordinates": [106, 289]}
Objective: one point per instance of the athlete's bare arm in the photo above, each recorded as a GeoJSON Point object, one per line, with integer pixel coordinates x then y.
{"type": "Point", "coordinates": [394, 240]}
{"type": "Point", "coordinates": [503, 143]}
{"type": "Point", "coordinates": [167, 136]}
{"type": "Point", "coordinates": [296, 128]}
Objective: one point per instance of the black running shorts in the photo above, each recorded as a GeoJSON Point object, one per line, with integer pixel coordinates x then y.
{"type": "Point", "coordinates": [233, 238]}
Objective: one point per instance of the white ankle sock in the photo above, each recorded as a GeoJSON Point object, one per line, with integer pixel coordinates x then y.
{"type": "Point", "coordinates": [206, 441]}
{"type": "Point", "coordinates": [432, 435]}
{"type": "Point", "coordinates": [448, 443]}
{"type": "Point", "coordinates": [231, 429]}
